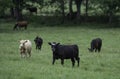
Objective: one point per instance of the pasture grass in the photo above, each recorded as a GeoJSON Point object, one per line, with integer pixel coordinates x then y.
{"type": "Point", "coordinates": [103, 65]}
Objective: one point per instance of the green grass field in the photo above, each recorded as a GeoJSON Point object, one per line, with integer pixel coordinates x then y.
{"type": "Point", "coordinates": [103, 65]}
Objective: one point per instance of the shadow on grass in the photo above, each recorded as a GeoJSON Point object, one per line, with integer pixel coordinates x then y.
{"type": "Point", "coordinates": [6, 30]}
{"type": "Point", "coordinates": [94, 22]}
{"type": "Point", "coordinates": [90, 22]}
{"type": "Point", "coordinates": [11, 31]}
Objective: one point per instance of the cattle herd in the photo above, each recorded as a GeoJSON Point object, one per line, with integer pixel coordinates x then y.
{"type": "Point", "coordinates": [59, 51]}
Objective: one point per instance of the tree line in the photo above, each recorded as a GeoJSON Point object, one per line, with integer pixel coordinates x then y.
{"type": "Point", "coordinates": [109, 8]}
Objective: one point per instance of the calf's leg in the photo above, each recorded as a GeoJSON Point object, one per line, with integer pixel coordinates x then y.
{"type": "Point", "coordinates": [21, 54]}
{"type": "Point", "coordinates": [95, 49]}
{"type": "Point", "coordinates": [73, 62]}
{"type": "Point", "coordinates": [36, 46]}
{"type": "Point", "coordinates": [62, 61]}
{"type": "Point", "coordinates": [25, 27]}
{"type": "Point", "coordinates": [29, 54]}
{"type": "Point", "coordinates": [15, 27]}
{"type": "Point", "coordinates": [53, 61]}
{"type": "Point", "coordinates": [39, 47]}
{"type": "Point", "coordinates": [99, 49]}
{"type": "Point", "coordinates": [78, 60]}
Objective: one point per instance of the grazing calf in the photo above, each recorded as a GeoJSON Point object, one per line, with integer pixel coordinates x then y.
{"type": "Point", "coordinates": [25, 48]}
{"type": "Point", "coordinates": [38, 42]}
{"type": "Point", "coordinates": [71, 16]}
{"type": "Point", "coordinates": [65, 52]}
{"type": "Point", "coordinates": [20, 24]}
{"type": "Point", "coordinates": [96, 45]}
{"type": "Point", "coordinates": [32, 9]}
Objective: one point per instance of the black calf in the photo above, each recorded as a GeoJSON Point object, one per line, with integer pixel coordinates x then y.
{"type": "Point", "coordinates": [38, 42]}
{"type": "Point", "coordinates": [96, 45]}
{"type": "Point", "coordinates": [32, 9]}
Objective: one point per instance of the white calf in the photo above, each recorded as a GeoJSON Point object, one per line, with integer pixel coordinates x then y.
{"type": "Point", "coordinates": [25, 48]}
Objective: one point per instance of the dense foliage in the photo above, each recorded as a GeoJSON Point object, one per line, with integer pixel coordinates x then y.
{"type": "Point", "coordinates": [108, 8]}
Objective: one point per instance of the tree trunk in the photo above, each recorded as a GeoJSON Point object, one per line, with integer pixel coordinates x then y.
{"type": "Point", "coordinates": [110, 17]}
{"type": "Point", "coordinates": [2, 13]}
{"type": "Point", "coordinates": [18, 14]}
{"type": "Point", "coordinates": [18, 10]}
{"type": "Point", "coordinates": [78, 5]}
{"type": "Point", "coordinates": [70, 6]}
{"type": "Point", "coordinates": [70, 10]}
{"type": "Point", "coordinates": [86, 11]}
{"type": "Point", "coordinates": [63, 12]}
{"type": "Point", "coordinates": [12, 11]}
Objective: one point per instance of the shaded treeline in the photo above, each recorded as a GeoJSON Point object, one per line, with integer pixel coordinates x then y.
{"type": "Point", "coordinates": [108, 9]}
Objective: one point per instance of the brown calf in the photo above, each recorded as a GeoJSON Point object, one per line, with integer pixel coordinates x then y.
{"type": "Point", "coordinates": [20, 24]}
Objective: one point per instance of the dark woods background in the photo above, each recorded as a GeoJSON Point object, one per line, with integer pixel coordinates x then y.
{"type": "Point", "coordinates": [61, 11]}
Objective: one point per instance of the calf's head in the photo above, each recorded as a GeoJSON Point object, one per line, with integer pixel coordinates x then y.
{"type": "Point", "coordinates": [53, 45]}
{"type": "Point", "coordinates": [35, 40]}
{"type": "Point", "coordinates": [90, 49]}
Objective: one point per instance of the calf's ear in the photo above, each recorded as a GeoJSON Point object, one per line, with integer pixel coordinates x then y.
{"type": "Point", "coordinates": [49, 43]}
{"type": "Point", "coordinates": [25, 42]}
{"type": "Point", "coordinates": [57, 43]}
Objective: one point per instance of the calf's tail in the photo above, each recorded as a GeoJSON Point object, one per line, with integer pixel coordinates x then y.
{"type": "Point", "coordinates": [77, 50]}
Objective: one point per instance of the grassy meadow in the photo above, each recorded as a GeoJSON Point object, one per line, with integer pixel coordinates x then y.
{"type": "Point", "coordinates": [103, 65]}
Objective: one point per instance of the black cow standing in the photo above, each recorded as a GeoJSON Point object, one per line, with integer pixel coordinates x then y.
{"type": "Point", "coordinates": [32, 9]}
{"type": "Point", "coordinates": [38, 42]}
{"type": "Point", "coordinates": [96, 45]}
{"type": "Point", "coordinates": [65, 52]}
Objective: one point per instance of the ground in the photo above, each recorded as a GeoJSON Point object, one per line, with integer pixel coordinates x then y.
{"type": "Point", "coordinates": [103, 65]}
